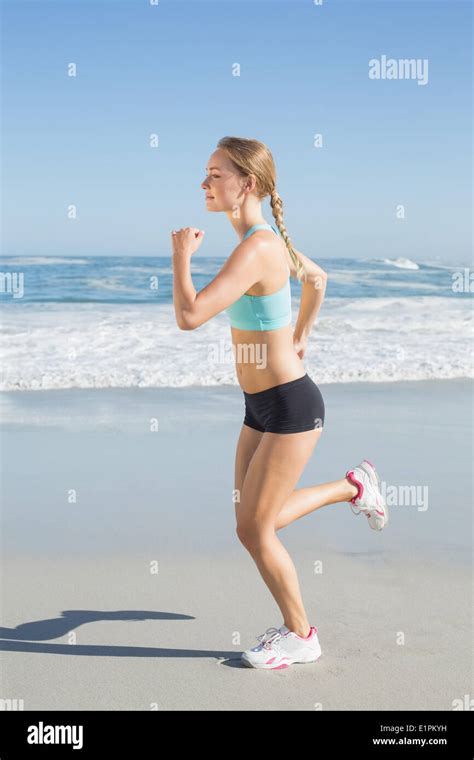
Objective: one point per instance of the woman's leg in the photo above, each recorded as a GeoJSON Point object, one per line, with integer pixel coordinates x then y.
{"type": "Point", "coordinates": [305, 500]}
{"type": "Point", "coordinates": [302, 501]}
{"type": "Point", "coordinates": [247, 444]}
{"type": "Point", "coordinates": [271, 476]}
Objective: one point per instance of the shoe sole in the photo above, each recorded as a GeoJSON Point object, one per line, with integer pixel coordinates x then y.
{"type": "Point", "coordinates": [281, 666]}
{"type": "Point", "coordinates": [373, 472]}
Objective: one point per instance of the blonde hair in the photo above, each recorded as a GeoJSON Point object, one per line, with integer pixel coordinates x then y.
{"type": "Point", "coordinates": [253, 157]}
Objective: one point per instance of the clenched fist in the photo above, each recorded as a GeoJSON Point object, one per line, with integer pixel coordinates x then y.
{"type": "Point", "coordinates": [186, 241]}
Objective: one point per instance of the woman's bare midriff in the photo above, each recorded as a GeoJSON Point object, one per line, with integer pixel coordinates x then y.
{"type": "Point", "coordinates": [265, 358]}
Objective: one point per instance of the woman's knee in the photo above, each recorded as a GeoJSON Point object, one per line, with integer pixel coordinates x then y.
{"type": "Point", "coordinates": [243, 531]}
{"type": "Point", "coordinates": [252, 533]}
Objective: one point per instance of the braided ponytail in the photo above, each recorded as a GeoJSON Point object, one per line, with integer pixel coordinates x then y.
{"type": "Point", "coordinates": [277, 209]}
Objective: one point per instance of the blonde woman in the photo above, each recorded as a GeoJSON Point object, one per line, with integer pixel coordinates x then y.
{"type": "Point", "coordinates": [284, 408]}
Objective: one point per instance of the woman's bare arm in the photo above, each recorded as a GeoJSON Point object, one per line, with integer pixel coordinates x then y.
{"type": "Point", "coordinates": [313, 289]}
{"type": "Point", "coordinates": [240, 271]}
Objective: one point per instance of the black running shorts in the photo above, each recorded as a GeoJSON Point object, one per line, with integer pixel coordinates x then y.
{"type": "Point", "coordinates": [293, 407]}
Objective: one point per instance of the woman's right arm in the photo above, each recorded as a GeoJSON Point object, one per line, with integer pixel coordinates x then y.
{"type": "Point", "coordinates": [240, 271]}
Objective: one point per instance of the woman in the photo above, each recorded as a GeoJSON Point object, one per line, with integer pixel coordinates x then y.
{"type": "Point", "coordinates": [284, 409]}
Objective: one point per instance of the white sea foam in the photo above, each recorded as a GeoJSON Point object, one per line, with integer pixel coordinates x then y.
{"type": "Point", "coordinates": [402, 263]}
{"type": "Point", "coordinates": [104, 346]}
{"type": "Point", "coordinates": [109, 283]}
{"type": "Point", "coordinates": [17, 261]}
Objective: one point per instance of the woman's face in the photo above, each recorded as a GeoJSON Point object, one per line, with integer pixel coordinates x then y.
{"type": "Point", "coordinates": [223, 186]}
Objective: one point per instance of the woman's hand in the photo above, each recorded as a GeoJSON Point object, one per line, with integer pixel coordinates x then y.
{"type": "Point", "coordinates": [186, 241]}
{"type": "Point", "coordinates": [300, 345]}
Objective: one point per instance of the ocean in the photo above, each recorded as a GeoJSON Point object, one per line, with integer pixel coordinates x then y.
{"type": "Point", "coordinates": [108, 322]}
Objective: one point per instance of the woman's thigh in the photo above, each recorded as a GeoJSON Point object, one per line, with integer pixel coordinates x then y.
{"type": "Point", "coordinates": [247, 444]}
{"type": "Point", "coordinates": [271, 476]}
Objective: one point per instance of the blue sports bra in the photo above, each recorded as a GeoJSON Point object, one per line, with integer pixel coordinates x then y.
{"type": "Point", "coordinates": [267, 312]}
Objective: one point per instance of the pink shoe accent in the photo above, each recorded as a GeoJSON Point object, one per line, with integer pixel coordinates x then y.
{"type": "Point", "coordinates": [280, 667]}
{"type": "Point", "coordinates": [351, 477]}
{"type": "Point", "coordinates": [312, 631]}
{"type": "Point", "coordinates": [268, 662]}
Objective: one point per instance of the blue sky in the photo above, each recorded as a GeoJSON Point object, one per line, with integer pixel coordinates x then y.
{"type": "Point", "coordinates": [166, 69]}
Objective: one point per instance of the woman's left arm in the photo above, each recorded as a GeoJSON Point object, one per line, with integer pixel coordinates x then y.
{"type": "Point", "coordinates": [313, 290]}
{"type": "Point", "coordinates": [312, 295]}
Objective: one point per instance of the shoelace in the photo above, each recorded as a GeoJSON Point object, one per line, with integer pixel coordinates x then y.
{"type": "Point", "coordinates": [270, 637]}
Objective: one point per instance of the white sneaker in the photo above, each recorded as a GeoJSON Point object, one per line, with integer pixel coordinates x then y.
{"type": "Point", "coordinates": [369, 498]}
{"type": "Point", "coordinates": [280, 648]}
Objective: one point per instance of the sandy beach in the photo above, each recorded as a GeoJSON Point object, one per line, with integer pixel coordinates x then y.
{"type": "Point", "coordinates": [124, 585]}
